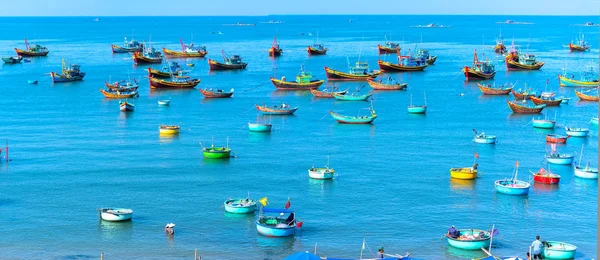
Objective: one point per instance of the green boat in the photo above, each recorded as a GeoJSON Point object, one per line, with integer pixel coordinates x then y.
{"type": "Point", "coordinates": [216, 152]}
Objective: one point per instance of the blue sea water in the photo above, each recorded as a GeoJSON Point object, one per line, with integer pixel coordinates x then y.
{"type": "Point", "coordinates": [72, 150]}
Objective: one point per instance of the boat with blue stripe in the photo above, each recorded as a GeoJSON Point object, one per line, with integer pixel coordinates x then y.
{"type": "Point", "coordinates": [512, 186]}
{"type": "Point", "coordinates": [283, 224]}
{"type": "Point", "coordinates": [240, 206]}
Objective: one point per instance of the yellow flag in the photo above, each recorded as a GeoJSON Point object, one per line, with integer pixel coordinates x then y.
{"type": "Point", "coordinates": [264, 201]}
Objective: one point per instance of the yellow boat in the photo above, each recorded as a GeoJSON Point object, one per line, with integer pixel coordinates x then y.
{"type": "Point", "coordinates": [467, 173]}
{"type": "Point", "coordinates": [168, 129]}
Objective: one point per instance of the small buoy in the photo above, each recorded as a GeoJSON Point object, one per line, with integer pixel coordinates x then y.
{"type": "Point", "coordinates": [461, 94]}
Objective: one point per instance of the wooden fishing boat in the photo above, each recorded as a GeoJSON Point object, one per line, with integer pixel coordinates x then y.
{"type": "Point", "coordinates": [12, 60]}
{"type": "Point", "coordinates": [586, 97]}
{"type": "Point", "coordinates": [557, 139]}
{"type": "Point", "coordinates": [516, 61]}
{"type": "Point", "coordinates": [118, 94]}
{"type": "Point", "coordinates": [123, 85]}
{"type": "Point", "coordinates": [358, 72]}
{"type": "Point", "coordinates": [480, 69]}
{"type": "Point", "coordinates": [321, 173]}
{"type": "Point", "coordinates": [425, 55]}
{"type": "Point", "coordinates": [149, 55]}
{"type": "Point", "coordinates": [126, 106]}
{"type": "Point", "coordinates": [559, 250]}
{"type": "Point", "coordinates": [275, 50]}
{"type": "Point", "coordinates": [316, 49]}
{"type": "Point", "coordinates": [284, 109]}
{"type": "Point", "coordinates": [388, 47]}
{"type": "Point", "coordinates": [405, 64]}
{"type": "Point", "coordinates": [169, 69]}
{"type": "Point", "coordinates": [579, 44]}
{"type": "Point", "coordinates": [390, 84]}
{"type": "Point", "coordinates": [68, 73]}
{"type": "Point", "coordinates": [326, 93]}
{"type": "Point", "coordinates": [466, 173]}
{"type": "Point", "coordinates": [258, 127]}
{"type": "Point", "coordinates": [354, 96]}
{"type": "Point", "coordinates": [128, 47]}
{"type": "Point", "coordinates": [525, 109]}
{"type": "Point", "coordinates": [412, 109]}
{"type": "Point", "coordinates": [283, 224]}
{"type": "Point", "coordinates": [303, 81]}
{"type": "Point", "coordinates": [493, 90]}
{"type": "Point", "coordinates": [240, 206]}
{"type": "Point", "coordinates": [216, 152]}
{"type": "Point", "coordinates": [577, 132]}
{"type": "Point", "coordinates": [115, 214]}
{"type": "Point", "coordinates": [588, 79]}
{"type": "Point", "coordinates": [520, 94]}
{"type": "Point", "coordinates": [343, 119]}
{"type": "Point", "coordinates": [500, 48]}
{"type": "Point", "coordinates": [174, 82]}
{"type": "Point", "coordinates": [512, 186]}
{"type": "Point", "coordinates": [168, 129]}
{"type": "Point", "coordinates": [545, 177]}
{"type": "Point", "coordinates": [216, 93]}
{"type": "Point", "coordinates": [484, 138]}
{"type": "Point", "coordinates": [470, 239]}
{"type": "Point", "coordinates": [233, 63]}
{"type": "Point", "coordinates": [545, 100]}
{"type": "Point", "coordinates": [187, 51]}
{"type": "Point", "coordinates": [557, 158]}
{"type": "Point", "coordinates": [32, 51]}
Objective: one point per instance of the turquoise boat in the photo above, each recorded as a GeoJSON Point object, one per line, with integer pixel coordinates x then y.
{"type": "Point", "coordinates": [484, 138]}
{"type": "Point", "coordinates": [594, 121]}
{"type": "Point", "coordinates": [283, 224]}
{"type": "Point", "coordinates": [352, 96]}
{"type": "Point", "coordinates": [559, 250]}
{"type": "Point", "coordinates": [577, 132]}
{"type": "Point", "coordinates": [342, 119]}
{"type": "Point", "coordinates": [588, 79]}
{"type": "Point", "coordinates": [412, 109]}
{"type": "Point", "coordinates": [470, 239]}
{"type": "Point", "coordinates": [543, 123]}
{"type": "Point", "coordinates": [240, 206]}
{"type": "Point", "coordinates": [557, 158]}
{"type": "Point", "coordinates": [512, 186]}
{"type": "Point", "coordinates": [31, 81]}
{"type": "Point", "coordinates": [257, 127]}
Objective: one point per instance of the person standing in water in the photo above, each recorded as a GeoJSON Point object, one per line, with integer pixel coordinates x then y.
{"type": "Point", "coordinates": [536, 248]}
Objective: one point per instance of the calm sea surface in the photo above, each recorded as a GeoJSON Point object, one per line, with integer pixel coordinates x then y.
{"type": "Point", "coordinates": [72, 150]}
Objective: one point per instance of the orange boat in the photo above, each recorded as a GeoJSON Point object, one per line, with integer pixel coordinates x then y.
{"type": "Point", "coordinates": [480, 69]}
{"type": "Point", "coordinates": [187, 51]}
{"type": "Point", "coordinates": [551, 102]}
{"type": "Point", "coordinates": [32, 51]}
{"type": "Point", "coordinates": [556, 139]}
{"type": "Point", "coordinates": [150, 55]}
{"type": "Point", "coordinates": [521, 109]}
{"type": "Point", "coordinates": [388, 47]}
{"type": "Point", "coordinates": [390, 84]}
{"type": "Point", "coordinates": [585, 97]}
{"type": "Point", "coordinates": [216, 93]}
{"type": "Point", "coordinates": [493, 90]}
{"type": "Point", "coordinates": [524, 94]}
{"type": "Point", "coordinates": [327, 93]}
{"type": "Point", "coordinates": [275, 51]}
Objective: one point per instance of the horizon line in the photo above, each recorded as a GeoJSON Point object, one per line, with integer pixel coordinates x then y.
{"type": "Point", "coordinates": [267, 15]}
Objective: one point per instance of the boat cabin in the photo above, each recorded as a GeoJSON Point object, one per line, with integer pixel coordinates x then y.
{"type": "Point", "coordinates": [360, 68]}
{"type": "Point", "coordinates": [235, 59]}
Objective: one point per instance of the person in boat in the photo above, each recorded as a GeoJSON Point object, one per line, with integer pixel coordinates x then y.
{"type": "Point", "coordinates": [380, 253]}
{"type": "Point", "coordinates": [453, 233]}
{"type": "Point", "coordinates": [283, 78]}
{"type": "Point", "coordinates": [536, 248]}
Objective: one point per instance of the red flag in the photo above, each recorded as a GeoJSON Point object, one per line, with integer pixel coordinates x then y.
{"type": "Point", "coordinates": [288, 204]}
{"type": "Point", "coordinates": [299, 224]}
{"type": "Point", "coordinates": [477, 155]}
{"type": "Point", "coordinates": [542, 170]}
{"type": "Point", "coordinates": [517, 164]}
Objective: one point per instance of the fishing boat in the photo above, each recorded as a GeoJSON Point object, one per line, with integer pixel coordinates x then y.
{"type": "Point", "coordinates": [125, 106]}
{"type": "Point", "coordinates": [128, 46]}
{"type": "Point", "coordinates": [557, 158]}
{"type": "Point", "coordinates": [512, 186]}
{"type": "Point", "coordinates": [546, 98]}
{"type": "Point", "coordinates": [259, 127]}
{"type": "Point", "coordinates": [175, 82]}
{"type": "Point", "coordinates": [32, 51]}
{"type": "Point", "coordinates": [594, 121]}
{"type": "Point", "coordinates": [354, 96]}
{"type": "Point", "coordinates": [470, 239]}
{"type": "Point", "coordinates": [321, 173]}
{"type": "Point", "coordinates": [167, 70]}
{"type": "Point", "coordinates": [545, 177]}
{"type": "Point", "coordinates": [543, 123]}
{"type": "Point", "coordinates": [406, 63]}
{"type": "Point", "coordinates": [577, 132]}
{"type": "Point", "coordinates": [149, 55]}
{"type": "Point", "coordinates": [31, 81]}
{"type": "Point", "coordinates": [480, 69]}
{"type": "Point", "coordinates": [557, 139]}
{"type": "Point", "coordinates": [303, 81]}
{"type": "Point", "coordinates": [12, 60]}
{"type": "Point", "coordinates": [388, 47]}
{"type": "Point", "coordinates": [240, 206]}
{"type": "Point", "coordinates": [524, 94]}
{"type": "Point", "coordinates": [559, 250]}
{"type": "Point", "coordinates": [343, 119]}
{"type": "Point", "coordinates": [216, 93]}
{"type": "Point", "coordinates": [425, 55]}
{"type": "Point", "coordinates": [579, 44]}
{"type": "Point", "coordinates": [187, 51]}
{"type": "Point", "coordinates": [282, 224]}
{"type": "Point", "coordinates": [495, 90]}
{"type": "Point", "coordinates": [233, 63]}
{"type": "Point", "coordinates": [284, 109]}
{"type": "Point", "coordinates": [275, 50]}
{"type": "Point", "coordinates": [517, 61]}
{"type": "Point", "coordinates": [389, 84]}
{"type": "Point", "coordinates": [587, 79]}
{"type": "Point", "coordinates": [587, 172]}
{"type": "Point", "coordinates": [326, 93]}
{"type": "Point", "coordinates": [412, 109]}
{"type": "Point", "coordinates": [483, 138]}
{"type": "Point", "coordinates": [586, 97]}
{"type": "Point", "coordinates": [316, 49]}
{"type": "Point", "coordinates": [164, 103]}
{"type": "Point", "coordinates": [123, 85]}
{"type": "Point", "coordinates": [525, 109]}
{"type": "Point", "coordinates": [68, 73]}
{"type": "Point", "coordinates": [360, 71]}
{"type": "Point", "coordinates": [168, 129]}
{"type": "Point", "coordinates": [465, 173]}
{"type": "Point", "coordinates": [213, 152]}
{"type": "Point", "coordinates": [108, 93]}
{"type": "Point", "coordinates": [500, 48]}
{"type": "Point", "coordinates": [115, 214]}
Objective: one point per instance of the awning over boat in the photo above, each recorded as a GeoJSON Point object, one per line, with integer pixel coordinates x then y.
{"type": "Point", "coordinates": [273, 210]}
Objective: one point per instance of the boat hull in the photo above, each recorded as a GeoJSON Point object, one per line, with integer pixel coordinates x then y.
{"type": "Point", "coordinates": [566, 82]}
{"type": "Point", "coordinates": [490, 139]}
{"type": "Point", "coordinates": [417, 110]}
{"type": "Point", "coordinates": [25, 53]}
{"type": "Point", "coordinates": [586, 173]}
{"type": "Point", "coordinates": [164, 103]}
{"type": "Point", "coordinates": [168, 131]}
{"type": "Point", "coordinates": [323, 94]}
{"type": "Point", "coordinates": [386, 50]}
{"type": "Point", "coordinates": [577, 48]}
{"type": "Point", "coordinates": [518, 109]}
{"type": "Point", "coordinates": [578, 132]}
{"type": "Point", "coordinates": [255, 127]}
{"type": "Point", "coordinates": [290, 85]}
{"type": "Point", "coordinates": [115, 216]}
{"type": "Point", "coordinates": [544, 124]}
{"type": "Point", "coordinates": [511, 190]}
{"type": "Point", "coordinates": [313, 51]}
{"type": "Point", "coordinates": [139, 58]}
{"type": "Point", "coordinates": [546, 179]}
{"type": "Point", "coordinates": [274, 52]}
{"type": "Point", "coordinates": [217, 154]}
{"type": "Point", "coordinates": [214, 65]}
{"type": "Point", "coordinates": [12, 60]}
{"type": "Point", "coordinates": [493, 91]}
{"type": "Point", "coordinates": [238, 209]}
{"type": "Point", "coordinates": [352, 119]}
{"type": "Point", "coordinates": [463, 173]}
{"type": "Point", "coordinates": [126, 106]}
{"type": "Point", "coordinates": [469, 244]}
{"type": "Point", "coordinates": [585, 97]}
{"type": "Point", "coordinates": [321, 174]}
{"type": "Point", "coordinates": [119, 49]}
{"type": "Point", "coordinates": [557, 139]}
{"type": "Point", "coordinates": [275, 232]}
{"type": "Point", "coordinates": [56, 78]}
{"type": "Point", "coordinates": [215, 94]}
{"type": "Point", "coordinates": [338, 75]}
{"type": "Point", "coordinates": [382, 86]}
{"type": "Point", "coordinates": [270, 111]}
{"type": "Point", "coordinates": [158, 74]}
{"type": "Point", "coordinates": [181, 54]}
{"type": "Point", "coordinates": [550, 103]}
{"type": "Point", "coordinates": [160, 83]}
{"type": "Point", "coordinates": [346, 97]}
{"type": "Point", "coordinates": [391, 67]}
{"type": "Point", "coordinates": [561, 160]}
{"type": "Point", "coordinates": [559, 250]}
{"type": "Point", "coordinates": [431, 60]}
{"type": "Point", "coordinates": [513, 65]}
{"type": "Point", "coordinates": [473, 74]}
{"type": "Point", "coordinates": [118, 94]}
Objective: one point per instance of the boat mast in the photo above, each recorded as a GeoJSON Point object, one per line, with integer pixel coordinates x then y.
{"type": "Point", "coordinates": [410, 101]}
{"type": "Point", "coordinates": [182, 46]}
{"type": "Point", "coordinates": [580, 156]}
{"type": "Point", "coordinates": [491, 237]}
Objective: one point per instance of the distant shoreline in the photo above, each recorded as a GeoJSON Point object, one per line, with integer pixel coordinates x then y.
{"type": "Point", "coordinates": [283, 15]}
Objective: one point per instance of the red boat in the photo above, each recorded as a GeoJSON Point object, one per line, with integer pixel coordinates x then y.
{"type": "Point", "coordinates": [542, 176]}
{"type": "Point", "coordinates": [556, 139]}
{"type": "Point", "coordinates": [275, 51]}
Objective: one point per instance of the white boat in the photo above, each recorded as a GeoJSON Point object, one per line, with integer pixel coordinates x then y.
{"type": "Point", "coordinates": [115, 214]}
{"type": "Point", "coordinates": [587, 172]}
{"type": "Point", "coordinates": [164, 103]}
{"type": "Point", "coordinates": [577, 132]}
{"type": "Point", "coordinates": [321, 173]}
{"type": "Point", "coordinates": [483, 138]}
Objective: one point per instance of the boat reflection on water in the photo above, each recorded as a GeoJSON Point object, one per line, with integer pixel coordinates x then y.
{"type": "Point", "coordinates": [273, 247]}
{"type": "Point", "coordinates": [122, 230]}
{"type": "Point", "coordinates": [291, 93]}
{"type": "Point", "coordinates": [258, 137]}
{"type": "Point", "coordinates": [454, 253]}
{"type": "Point", "coordinates": [510, 203]}
{"type": "Point", "coordinates": [543, 131]}
{"type": "Point", "coordinates": [585, 184]}
{"type": "Point", "coordinates": [321, 187]}
{"type": "Point", "coordinates": [167, 138]}
{"type": "Point", "coordinates": [233, 217]}
{"type": "Point", "coordinates": [544, 189]}
{"type": "Point", "coordinates": [462, 186]}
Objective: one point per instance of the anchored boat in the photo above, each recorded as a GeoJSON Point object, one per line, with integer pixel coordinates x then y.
{"type": "Point", "coordinates": [303, 81]}
{"type": "Point", "coordinates": [326, 93]}
{"type": "Point", "coordinates": [354, 96]}
{"type": "Point", "coordinates": [123, 85]}
{"type": "Point", "coordinates": [187, 51]}
{"type": "Point", "coordinates": [484, 138]}
{"type": "Point", "coordinates": [545, 177]}
{"type": "Point", "coordinates": [12, 60]}
{"type": "Point", "coordinates": [588, 79]}
{"type": "Point", "coordinates": [480, 69]}
{"type": "Point", "coordinates": [388, 47]}
{"type": "Point", "coordinates": [587, 97]}
{"type": "Point", "coordinates": [109, 93]}
{"type": "Point", "coordinates": [275, 50]}
{"type": "Point", "coordinates": [470, 239]}
{"type": "Point", "coordinates": [465, 173]}
{"type": "Point", "coordinates": [164, 103]}
{"type": "Point", "coordinates": [167, 71]}
{"type": "Point", "coordinates": [524, 94]}
{"type": "Point", "coordinates": [360, 71]}
{"type": "Point", "coordinates": [32, 51]}
{"type": "Point", "coordinates": [500, 48]}
{"type": "Point", "coordinates": [68, 73]}
{"type": "Point", "coordinates": [174, 82]}
{"type": "Point", "coordinates": [495, 90]}
{"type": "Point", "coordinates": [148, 55]}
{"type": "Point", "coordinates": [517, 61]}
{"type": "Point", "coordinates": [424, 54]}
{"type": "Point", "coordinates": [284, 109]}
{"type": "Point", "coordinates": [282, 224]}
{"type": "Point", "coordinates": [321, 173]}
{"type": "Point", "coordinates": [213, 152]}
{"type": "Point", "coordinates": [316, 48]}
{"type": "Point", "coordinates": [544, 123]}
{"type": "Point", "coordinates": [558, 250]}
{"type": "Point", "coordinates": [168, 129]}
{"type": "Point", "coordinates": [525, 109]}
{"type": "Point", "coordinates": [512, 186]}
{"type": "Point", "coordinates": [557, 139]}
{"type": "Point", "coordinates": [343, 119]}
{"type": "Point", "coordinates": [125, 106]}
{"type": "Point", "coordinates": [233, 63]}
{"type": "Point", "coordinates": [587, 172]}
{"type": "Point", "coordinates": [389, 84]}
{"type": "Point", "coordinates": [405, 63]}
{"type": "Point", "coordinates": [557, 158]}
{"type": "Point", "coordinates": [216, 93]}
{"type": "Point", "coordinates": [546, 98]}
{"type": "Point", "coordinates": [259, 127]}
{"type": "Point", "coordinates": [577, 132]}
{"type": "Point", "coordinates": [412, 109]}
{"type": "Point", "coordinates": [240, 206]}
{"type": "Point", "coordinates": [115, 214]}
{"type": "Point", "coordinates": [128, 46]}
{"type": "Point", "coordinates": [579, 44]}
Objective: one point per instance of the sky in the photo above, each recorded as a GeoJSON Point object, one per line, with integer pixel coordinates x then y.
{"type": "Point", "coordinates": [294, 7]}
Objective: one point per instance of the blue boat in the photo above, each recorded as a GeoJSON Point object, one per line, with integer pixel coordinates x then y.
{"type": "Point", "coordinates": [283, 224]}
{"type": "Point", "coordinates": [470, 239]}
{"type": "Point", "coordinates": [354, 96]}
{"type": "Point", "coordinates": [68, 74]}
{"type": "Point", "coordinates": [31, 81]}
{"type": "Point", "coordinates": [483, 138]}
{"type": "Point", "coordinates": [557, 158]}
{"type": "Point", "coordinates": [240, 206]}
{"type": "Point", "coordinates": [257, 127]}
{"type": "Point", "coordinates": [594, 121]}
{"type": "Point", "coordinates": [588, 79]}
{"type": "Point", "coordinates": [543, 123]}
{"type": "Point", "coordinates": [577, 132]}
{"type": "Point", "coordinates": [412, 109]}
{"type": "Point", "coordinates": [512, 186]}
{"type": "Point", "coordinates": [559, 250]}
